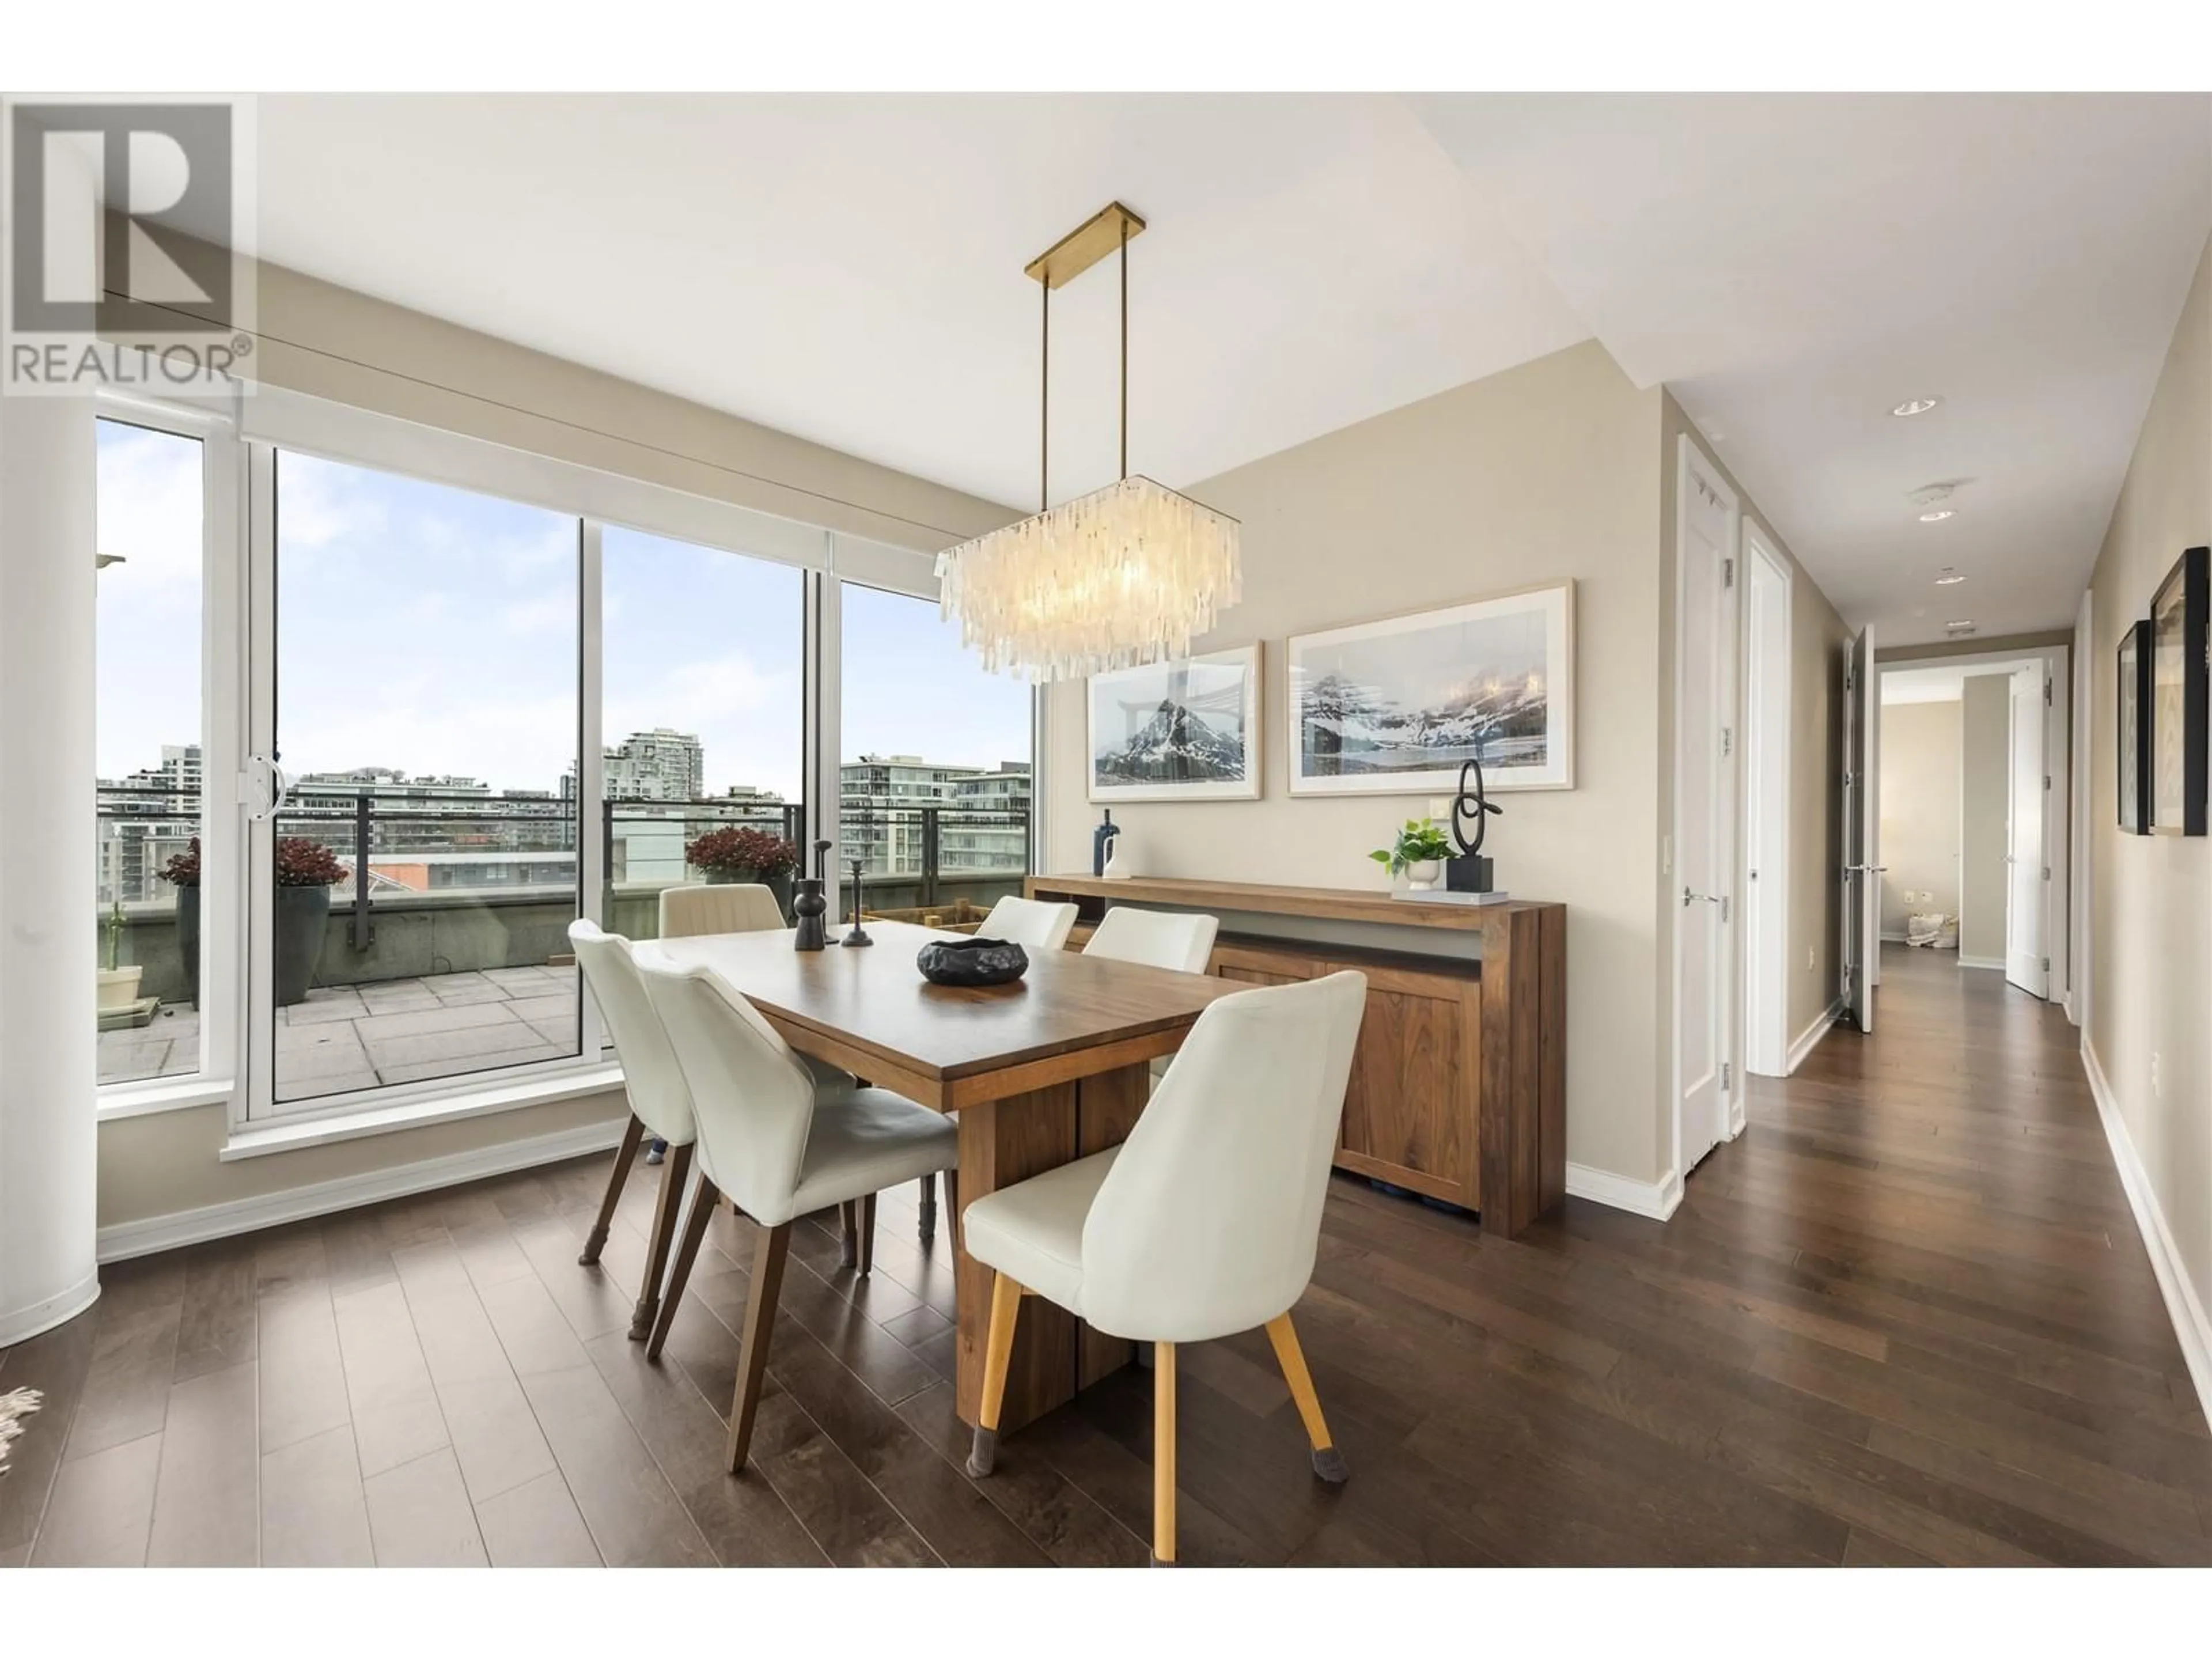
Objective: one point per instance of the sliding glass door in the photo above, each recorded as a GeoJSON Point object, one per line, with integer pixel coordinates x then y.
{"type": "Point", "coordinates": [421, 864]}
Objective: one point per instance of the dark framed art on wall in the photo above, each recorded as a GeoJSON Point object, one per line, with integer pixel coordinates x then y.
{"type": "Point", "coordinates": [2178, 614]}
{"type": "Point", "coordinates": [2134, 744]}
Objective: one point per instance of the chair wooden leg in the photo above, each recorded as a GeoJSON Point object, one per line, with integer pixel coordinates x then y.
{"type": "Point", "coordinates": [679, 1272]}
{"type": "Point", "coordinates": [953, 1203]}
{"type": "Point", "coordinates": [866, 1207]}
{"type": "Point", "coordinates": [673, 1176]}
{"type": "Point", "coordinates": [848, 1236]}
{"type": "Point", "coordinates": [1328, 1462]}
{"type": "Point", "coordinates": [760, 1324]}
{"type": "Point", "coordinates": [596, 1240]}
{"type": "Point", "coordinates": [1163, 1453]}
{"type": "Point", "coordinates": [927, 1227]}
{"type": "Point", "coordinates": [997, 1351]}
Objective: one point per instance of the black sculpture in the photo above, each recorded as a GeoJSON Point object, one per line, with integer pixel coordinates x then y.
{"type": "Point", "coordinates": [808, 906]}
{"type": "Point", "coordinates": [1470, 873]}
{"type": "Point", "coordinates": [856, 934]}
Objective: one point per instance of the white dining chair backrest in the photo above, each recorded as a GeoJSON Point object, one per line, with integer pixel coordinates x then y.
{"type": "Point", "coordinates": [754, 1100]}
{"type": "Point", "coordinates": [1031, 923]}
{"type": "Point", "coordinates": [1158, 938]}
{"type": "Point", "coordinates": [736, 907]}
{"type": "Point", "coordinates": [658, 1093]}
{"type": "Point", "coordinates": [1208, 1222]}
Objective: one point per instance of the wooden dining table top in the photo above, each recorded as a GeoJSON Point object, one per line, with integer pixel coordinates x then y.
{"type": "Point", "coordinates": [869, 1010]}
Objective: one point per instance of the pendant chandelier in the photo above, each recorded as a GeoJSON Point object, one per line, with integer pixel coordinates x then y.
{"type": "Point", "coordinates": [1125, 575]}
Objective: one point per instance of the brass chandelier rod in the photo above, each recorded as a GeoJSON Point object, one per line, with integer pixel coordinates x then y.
{"type": "Point", "coordinates": [1105, 232]}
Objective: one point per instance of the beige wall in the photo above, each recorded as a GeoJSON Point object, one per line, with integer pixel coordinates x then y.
{"type": "Point", "coordinates": [327, 342]}
{"type": "Point", "coordinates": [1546, 470]}
{"type": "Point", "coordinates": [1920, 808]}
{"type": "Point", "coordinates": [2151, 895]}
{"type": "Point", "coordinates": [1986, 764]}
{"type": "Point", "coordinates": [1820, 647]}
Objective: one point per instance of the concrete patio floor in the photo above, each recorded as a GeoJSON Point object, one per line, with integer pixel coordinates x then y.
{"type": "Point", "coordinates": [358, 1036]}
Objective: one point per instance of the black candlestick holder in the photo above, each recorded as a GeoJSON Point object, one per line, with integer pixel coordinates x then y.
{"type": "Point", "coordinates": [856, 934]}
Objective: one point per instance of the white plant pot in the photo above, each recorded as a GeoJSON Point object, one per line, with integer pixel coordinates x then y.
{"type": "Point", "coordinates": [1423, 876]}
{"type": "Point", "coordinates": [118, 987]}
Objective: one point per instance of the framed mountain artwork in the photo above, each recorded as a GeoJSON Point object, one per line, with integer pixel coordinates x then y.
{"type": "Point", "coordinates": [1396, 707]}
{"type": "Point", "coordinates": [2180, 619]}
{"type": "Point", "coordinates": [1187, 730]}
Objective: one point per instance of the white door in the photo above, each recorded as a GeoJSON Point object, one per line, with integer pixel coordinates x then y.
{"type": "Point", "coordinates": [2027, 963]}
{"type": "Point", "coordinates": [1704, 809]}
{"type": "Point", "coordinates": [1862, 833]}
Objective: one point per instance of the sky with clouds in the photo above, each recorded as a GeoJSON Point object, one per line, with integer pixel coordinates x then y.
{"type": "Point", "coordinates": [434, 630]}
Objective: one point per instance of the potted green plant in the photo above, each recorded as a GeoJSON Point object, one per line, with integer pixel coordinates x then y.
{"type": "Point", "coordinates": [182, 872]}
{"type": "Point", "coordinates": [119, 985]}
{"type": "Point", "coordinates": [1418, 852]}
{"type": "Point", "coordinates": [734, 852]}
{"type": "Point", "coordinates": [306, 871]}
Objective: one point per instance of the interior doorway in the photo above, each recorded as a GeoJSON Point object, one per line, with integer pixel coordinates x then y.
{"type": "Point", "coordinates": [1974, 786]}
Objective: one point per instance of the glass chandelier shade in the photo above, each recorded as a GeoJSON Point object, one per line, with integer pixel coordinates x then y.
{"type": "Point", "coordinates": [1125, 575]}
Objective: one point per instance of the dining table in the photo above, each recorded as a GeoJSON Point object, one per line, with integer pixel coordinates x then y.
{"type": "Point", "coordinates": [1050, 1068]}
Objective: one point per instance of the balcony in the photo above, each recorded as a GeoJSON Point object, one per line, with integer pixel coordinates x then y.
{"type": "Point", "coordinates": [459, 961]}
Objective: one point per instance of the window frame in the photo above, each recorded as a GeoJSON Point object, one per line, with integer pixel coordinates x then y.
{"type": "Point", "coordinates": [238, 719]}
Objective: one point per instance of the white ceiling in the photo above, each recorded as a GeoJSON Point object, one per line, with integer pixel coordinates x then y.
{"type": "Point", "coordinates": [849, 269]}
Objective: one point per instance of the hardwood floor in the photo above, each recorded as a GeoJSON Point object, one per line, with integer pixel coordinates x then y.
{"type": "Point", "coordinates": [1905, 1318]}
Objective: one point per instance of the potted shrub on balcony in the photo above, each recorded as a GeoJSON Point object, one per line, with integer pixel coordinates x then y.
{"type": "Point", "coordinates": [182, 872]}
{"type": "Point", "coordinates": [118, 983]}
{"type": "Point", "coordinates": [734, 852]}
{"type": "Point", "coordinates": [306, 871]}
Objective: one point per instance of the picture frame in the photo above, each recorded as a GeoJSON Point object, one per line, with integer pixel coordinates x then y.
{"type": "Point", "coordinates": [1395, 706]}
{"type": "Point", "coordinates": [1184, 730]}
{"type": "Point", "coordinates": [2179, 612]}
{"type": "Point", "coordinates": [2133, 747]}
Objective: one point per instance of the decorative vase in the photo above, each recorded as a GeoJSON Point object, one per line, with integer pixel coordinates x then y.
{"type": "Point", "coordinates": [118, 987]}
{"type": "Point", "coordinates": [188, 941]}
{"type": "Point", "coordinates": [1422, 874]}
{"type": "Point", "coordinates": [302, 918]}
{"type": "Point", "coordinates": [808, 908]}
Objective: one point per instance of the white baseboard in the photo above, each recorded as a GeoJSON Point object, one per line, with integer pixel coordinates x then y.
{"type": "Point", "coordinates": [166, 1232]}
{"type": "Point", "coordinates": [1655, 1198]}
{"type": "Point", "coordinates": [1809, 1038]}
{"type": "Point", "coordinates": [2183, 1305]}
{"type": "Point", "coordinates": [1893, 939]}
{"type": "Point", "coordinates": [1966, 960]}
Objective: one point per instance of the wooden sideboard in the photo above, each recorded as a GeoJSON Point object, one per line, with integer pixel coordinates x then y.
{"type": "Point", "coordinates": [1458, 1089]}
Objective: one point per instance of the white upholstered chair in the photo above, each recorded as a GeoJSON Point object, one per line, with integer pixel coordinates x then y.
{"type": "Point", "coordinates": [735, 907]}
{"type": "Point", "coordinates": [778, 1146]}
{"type": "Point", "coordinates": [660, 1102]}
{"type": "Point", "coordinates": [1178, 940]}
{"type": "Point", "coordinates": [1031, 923]}
{"type": "Point", "coordinates": [1203, 1223]}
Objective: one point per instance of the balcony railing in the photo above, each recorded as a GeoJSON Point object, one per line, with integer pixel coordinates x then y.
{"type": "Point", "coordinates": [450, 881]}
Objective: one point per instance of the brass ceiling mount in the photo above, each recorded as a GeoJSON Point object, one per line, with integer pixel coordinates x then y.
{"type": "Point", "coordinates": [1110, 229]}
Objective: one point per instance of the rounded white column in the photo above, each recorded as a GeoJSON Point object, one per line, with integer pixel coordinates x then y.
{"type": "Point", "coordinates": [49, 1144]}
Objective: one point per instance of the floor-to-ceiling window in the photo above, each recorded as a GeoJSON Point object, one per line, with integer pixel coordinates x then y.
{"type": "Point", "coordinates": [149, 524]}
{"type": "Point", "coordinates": [427, 855]}
{"type": "Point", "coordinates": [933, 762]}
{"type": "Point", "coordinates": [702, 718]}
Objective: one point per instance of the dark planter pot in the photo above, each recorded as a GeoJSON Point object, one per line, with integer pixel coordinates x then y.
{"type": "Point", "coordinates": [303, 915]}
{"type": "Point", "coordinates": [779, 886]}
{"type": "Point", "coordinates": [188, 941]}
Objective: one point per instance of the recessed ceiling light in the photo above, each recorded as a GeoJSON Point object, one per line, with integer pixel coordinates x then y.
{"type": "Point", "coordinates": [1950, 578]}
{"type": "Point", "coordinates": [1916, 406]}
{"type": "Point", "coordinates": [1939, 515]}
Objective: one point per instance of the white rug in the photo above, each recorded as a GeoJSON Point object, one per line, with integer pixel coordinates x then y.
{"type": "Point", "coordinates": [14, 1408]}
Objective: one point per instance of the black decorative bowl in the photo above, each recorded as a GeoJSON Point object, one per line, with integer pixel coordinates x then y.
{"type": "Point", "coordinates": [972, 962]}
